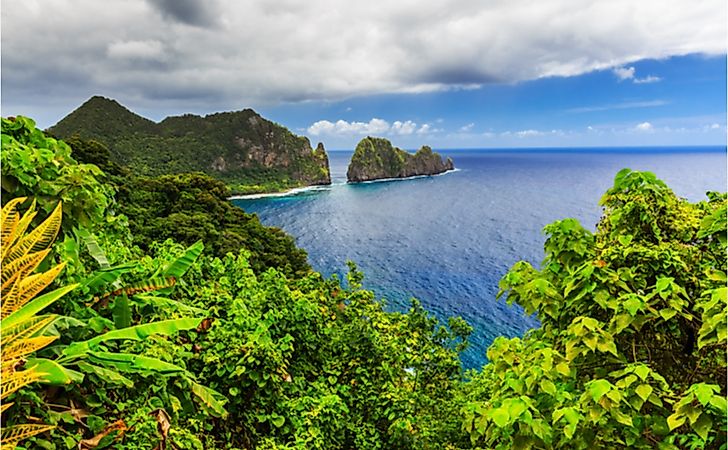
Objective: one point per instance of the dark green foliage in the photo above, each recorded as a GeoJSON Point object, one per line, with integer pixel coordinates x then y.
{"type": "Point", "coordinates": [192, 207]}
{"type": "Point", "coordinates": [631, 348]}
{"type": "Point", "coordinates": [244, 150]}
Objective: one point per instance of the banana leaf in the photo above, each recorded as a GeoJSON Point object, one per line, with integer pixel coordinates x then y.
{"type": "Point", "coordinates": [92, 246]}
{"type": "Point", "coordinates": [137, 333]}
{"type": "Point", "coordinates": [179, 266]}
{"type": "Point", "coordinates": [106, 276]}
{"type": "Point", "coordinates": [54, 373]}
{"type": "Point", "coordinates": [213, 402]}
{"type": "Point", "coordinates": [107, 375]}
{"type": "Point", "coordinates": [126, 362]}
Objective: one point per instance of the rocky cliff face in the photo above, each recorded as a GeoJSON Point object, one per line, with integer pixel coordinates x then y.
{"type": "Point", "coordinates": [241, 148]}
{"type": "Point", "coordinates": [376, 158]}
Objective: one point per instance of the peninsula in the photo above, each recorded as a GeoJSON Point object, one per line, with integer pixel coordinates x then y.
{"type": "Point", "coordinates": [376, 159]}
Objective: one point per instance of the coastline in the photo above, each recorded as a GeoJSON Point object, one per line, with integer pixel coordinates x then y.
{"type": "Point", "coordinates": [324, 187]}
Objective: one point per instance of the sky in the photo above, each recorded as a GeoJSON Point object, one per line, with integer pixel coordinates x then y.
{"type": "Point", "coordinates": [445, 73]}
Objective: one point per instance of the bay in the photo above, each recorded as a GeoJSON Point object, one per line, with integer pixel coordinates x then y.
{"type": "Point", "coordinates": [447, 240]}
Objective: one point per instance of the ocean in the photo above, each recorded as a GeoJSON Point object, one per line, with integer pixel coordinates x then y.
{"type": "Point", "coordinates": [448, 239]}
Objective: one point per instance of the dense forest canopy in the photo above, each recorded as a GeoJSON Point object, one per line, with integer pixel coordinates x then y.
{"type": "Point", "coordinates": [149, 313]}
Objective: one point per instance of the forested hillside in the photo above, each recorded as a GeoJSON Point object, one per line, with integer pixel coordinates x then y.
{"type": "Point", "coordinates": [242, 149]}
{"type": "Point", "coordinates": [132, 319]}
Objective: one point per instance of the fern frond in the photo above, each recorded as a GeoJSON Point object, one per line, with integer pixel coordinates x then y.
{"type": "Point", "coordinates": [38, 239]}
{"type": "Point", "coordinates": [25, 347]}
{"type": "Point", "coordinates": [28, 288]}
{"type": "Point", "coordinates": [16, 433]}
{"type": "Point", "coordinates": [10, 217]}
{"type": "Point", "coordinates": [17, 380]}
{"type": "Point", "coordinates": [15, 236]}
{"type": "Point", "coordinates": [25, 264]}
{"type": "Point", "coordinates": [24, 329]}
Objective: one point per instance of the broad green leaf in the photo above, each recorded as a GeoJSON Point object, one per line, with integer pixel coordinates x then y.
{"type": "Point", "coordinates": [179, 266]}
{"type": "Point", "coordinates": [92, 246]}
{"type": "Point", "coordinates": [675, 420]}
{"type": "Point", "coordinates": [134, 363]}
{"type": "Point", "coordinates": [500, 416]}
{"type": "Point", "coordinates": [702, 426]}
{"type": "Point", "coordinates": [107, 375]}
{"type": "Point", "coordinates": [54, 373]}
{"type": "Point", "coordinates": [704, 392]}
{"type": "Point", "coordinates": [644, 391]}
{"type": "Point", "coordinates": [137, 333]}
{"type": "Point", "coordinates": [667, 313]}
{"type": "Point", "coordinates": [169, 304]}
{"type": "Point", "coordinates": [121, 312]}
{"type": "Point", "coordinates": [598, 388]}
{"type": "Point", "coordinates": [212, 401]}
{"type": "Point", "coordinates": [548, 386]}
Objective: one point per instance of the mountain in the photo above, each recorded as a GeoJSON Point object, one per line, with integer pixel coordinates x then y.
{"type": "Point", "coordinates": [376, 158]}
{"type": "Point", "coordinates": [241, 148]}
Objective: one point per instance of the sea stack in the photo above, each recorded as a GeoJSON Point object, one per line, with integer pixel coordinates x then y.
{"type": "Point", "coordinates": [376, 158]}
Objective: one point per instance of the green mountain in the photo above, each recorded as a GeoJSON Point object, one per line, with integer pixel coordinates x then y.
{"type": "Point", "coordinates": [376, 158]}
{"type": "Point", "coordinates": [241, 148]}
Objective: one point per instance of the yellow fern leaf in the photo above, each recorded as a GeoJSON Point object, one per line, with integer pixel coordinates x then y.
{"type": "Point", "coordinates": [10, 218]}
{"type": "Point", "coordinates": [25, 347]}
{"type": "Point", "coordinates": [17, 380]}
{"type": "Point", "coordinates": [38, 239]}
{"type": "Point", "coordinates": [28, 288]}
{"type": "Point", "coordinates": [5, 406]}
{"type": "Point", "coordinates": [24, 329]}
{"type": "Point", "coordinates": [25, 264]}
{"type": "Point", "coordinates": [16, 433]}
{"type": "Point", "coordinates": [15, 238]}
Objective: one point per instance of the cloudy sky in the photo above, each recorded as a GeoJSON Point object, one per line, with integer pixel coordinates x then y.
{"type": "Point", "coordinates": [465, 73]}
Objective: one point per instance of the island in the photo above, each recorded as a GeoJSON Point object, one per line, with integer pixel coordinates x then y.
{"type": "Point", "coordinates": [242, 149]}
{"type": "Point", "coordinates": [376, 159]}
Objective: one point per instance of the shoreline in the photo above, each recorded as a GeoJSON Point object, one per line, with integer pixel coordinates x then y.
{"type": "Point", "coordinates": [324, 187]}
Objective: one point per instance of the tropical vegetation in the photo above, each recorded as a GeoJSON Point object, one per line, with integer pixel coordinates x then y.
{"type": "Point", "coordinates": [124, 330]}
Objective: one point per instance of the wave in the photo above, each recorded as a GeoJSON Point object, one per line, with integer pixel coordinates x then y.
{"type": "Point", "coordinates": [301, 190]}
{"type": "Point", "coordinates": [414, 177]}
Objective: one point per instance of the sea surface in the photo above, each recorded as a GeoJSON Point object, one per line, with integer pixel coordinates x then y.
{"type": "Point", "coordinates": [448, 239]}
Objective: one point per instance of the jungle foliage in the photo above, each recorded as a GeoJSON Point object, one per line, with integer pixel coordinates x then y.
{"type": "Point", "coordinates": [178, 346]}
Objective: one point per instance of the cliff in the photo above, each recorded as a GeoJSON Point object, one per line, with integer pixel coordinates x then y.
{"type": "Point", "coordinates": [376, 158]}
{"type": "Point", "coordinates": [241, 148]}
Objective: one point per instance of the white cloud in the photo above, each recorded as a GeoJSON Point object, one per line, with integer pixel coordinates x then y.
{"type": "Point", "coordinates": [624, 73]}
{"type": "Point", "coordinates": [628, 73]}
{"type": "Point", "coordinates": [647, 79]}
{"type": "Point", "coordinates": [467, 128]}
{"type": "Point", "coordinates": [424, 129]}
{"type": "Point", "coordinates": [226, 54]}
{"type": "Point", "coordinates": [374, 126]}
{"type": "Point", "coordinates": [624, 105]}
{"type": "Point", "coordinates": [407, 127]}
{"type": "Point", "coordinates": [644, 126]}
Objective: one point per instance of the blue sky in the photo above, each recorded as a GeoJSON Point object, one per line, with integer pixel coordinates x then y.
{"type": "Point", "coordinates": [683, 103]}
{"type": "Point", "coordinates": [446, 73]}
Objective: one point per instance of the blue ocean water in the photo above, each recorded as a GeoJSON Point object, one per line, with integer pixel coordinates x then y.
{"type": "Point", "coordinates": [447, 240]}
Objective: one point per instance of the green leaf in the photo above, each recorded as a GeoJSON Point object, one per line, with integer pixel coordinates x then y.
{"type": "Point", "coordinates": [642, 371]}
{"type": "Point", "coordinates": [667, 313]}
{"type": "Point", "coordinates": [92, 246]}
{"type": "Point", "coordinates": [127, 362]}
{"type": "Point", "coordinates": [702, 426]}
{"type": "Point", "coordinates": [675, 420]}
{"type": "Point", "coordinates": [168, 303]}
{"type": "Point", "coordinates": [278, 421]}
{"type": "Point", "coordinates": [35, 306]}
{"type": "Point", "coordinates": [137, 333]}
{"type": "Point", "coordinates": [179, 266]}
{"type": "Point", "coordinates": [54, 373]}
{"type": "Point", "coordinates": [598, 388]}
{"type": "Point", "coordinates": [107, 375]}
{"type": "Point", "coordinates": [500, 416]}
{"type": "Point", "coordinates": [643, 391]}
{"type": "Point", "coordinates": [213, 402]}
{"type": "Point", "coordinates": [548, 386]}
{"type": "Point", "coordinates": [121, 312]}
{"type": "Point", "coordinates": [704, 392]}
